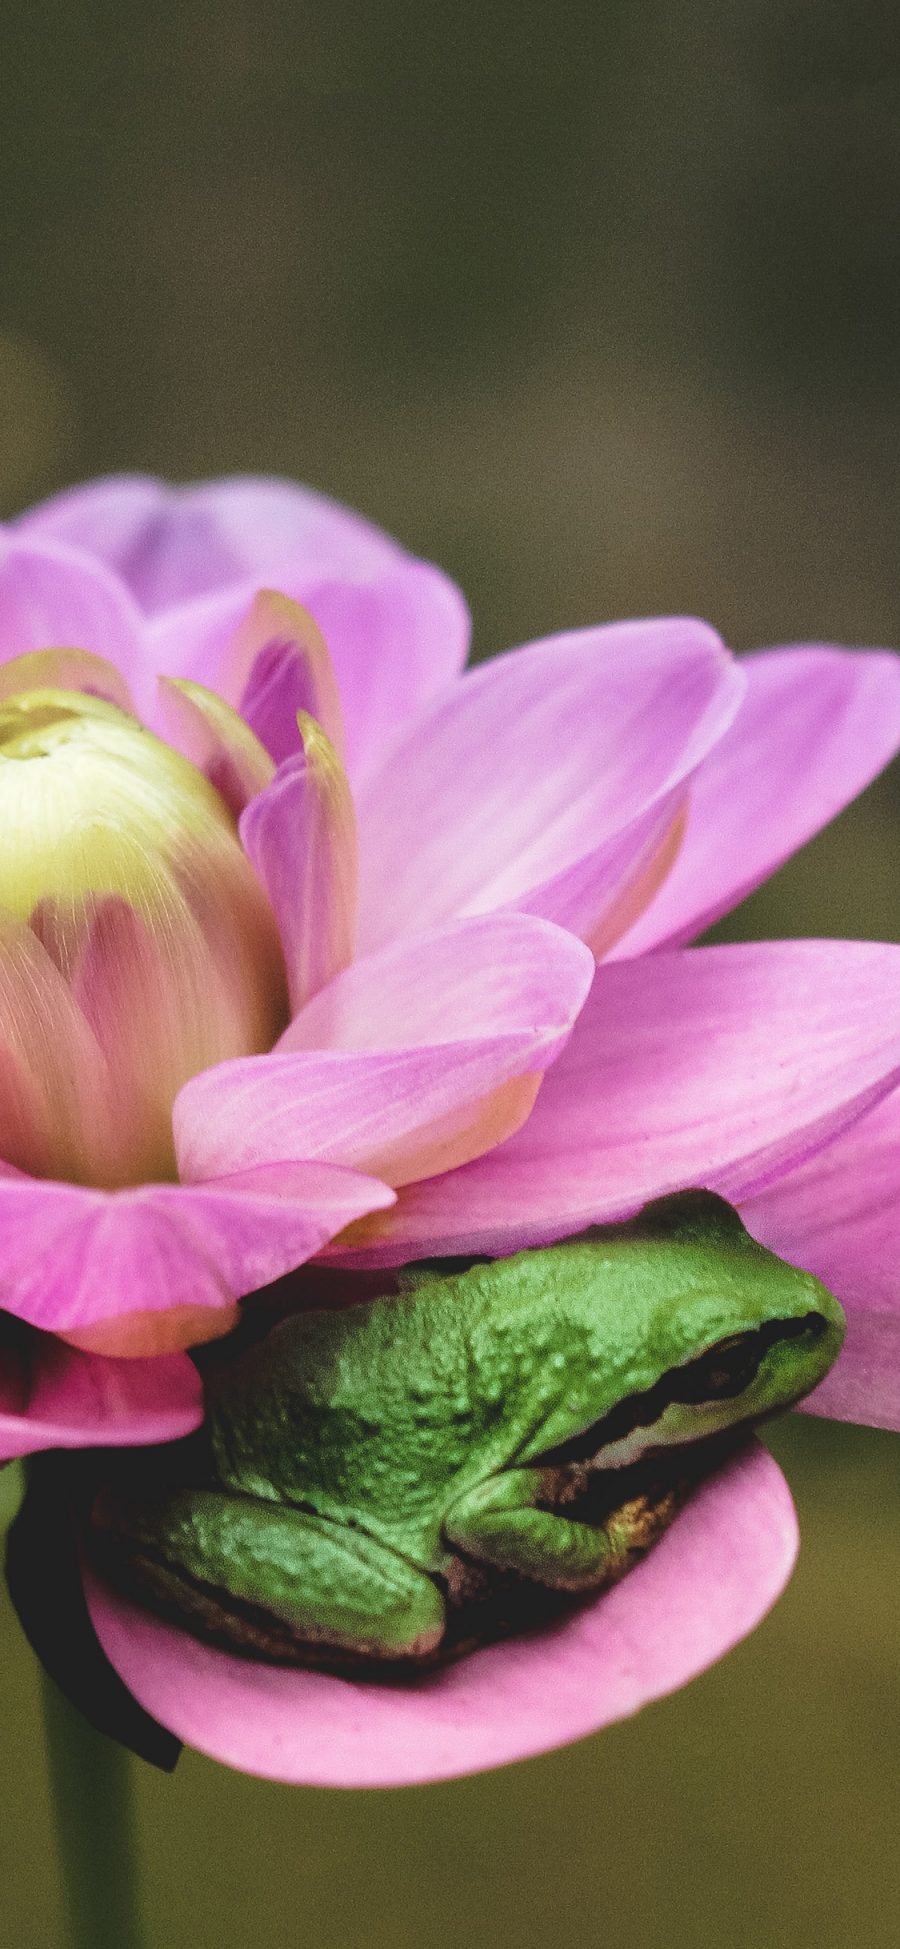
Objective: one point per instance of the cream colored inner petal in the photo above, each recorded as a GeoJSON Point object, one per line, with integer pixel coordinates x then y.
{"type": "Point", "coordinates": [137, 1335]}
{"type": "Point", "coordinates": [66, 669]}
{"type": "Point", "coordinates": [325, 935]}
{"type": "Point", "coordinates": [58, 1115]}
{"type": "Point", "coordinates": [215, 738]}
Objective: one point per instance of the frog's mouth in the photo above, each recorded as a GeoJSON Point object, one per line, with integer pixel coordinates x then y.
{"type": "Point", "coordinates": [720, 1374]}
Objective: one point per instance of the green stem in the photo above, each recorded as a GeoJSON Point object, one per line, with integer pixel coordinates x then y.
{"type": "Point", "coordinates": [91, 1782]}
{"type": "Point", "coordinates": [12, 1489]}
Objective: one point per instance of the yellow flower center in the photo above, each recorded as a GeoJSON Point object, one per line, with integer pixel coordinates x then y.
{"type": "Point", "coordinates": [124, 865]}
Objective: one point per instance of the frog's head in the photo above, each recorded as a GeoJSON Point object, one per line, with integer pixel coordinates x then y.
{"type": "Point", "coordinates": [708, 1329]}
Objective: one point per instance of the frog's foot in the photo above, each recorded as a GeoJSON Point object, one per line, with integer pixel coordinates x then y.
{"type": "Point", "coordinates": [501, 1523]}
{"type": "Point", "coordinates": [269, 1579]}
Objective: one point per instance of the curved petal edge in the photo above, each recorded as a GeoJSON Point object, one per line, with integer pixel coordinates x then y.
{"type": "Point", "coordinates": [703, 1587]}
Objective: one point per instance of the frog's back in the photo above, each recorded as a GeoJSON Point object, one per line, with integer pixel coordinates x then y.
{"type": "Point", "coordinates": [382, 1404]}
{"type": "Point", "coordinates": [368, 1409]}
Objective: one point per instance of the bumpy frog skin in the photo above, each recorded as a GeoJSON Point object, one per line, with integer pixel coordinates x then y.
{"type": "Point", "coordinates": [383, 1485]}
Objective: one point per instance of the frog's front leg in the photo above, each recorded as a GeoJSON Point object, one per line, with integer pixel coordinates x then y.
{"type": "Point", "coordinates": [498, 1523]}
{"type": "Point", "coordinates": [271, 1578]}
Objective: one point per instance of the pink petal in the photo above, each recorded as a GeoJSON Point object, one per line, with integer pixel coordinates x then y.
{"type": "Point", "coordinates": [276, 665]}
{"type": "Point", "coordinates": [437, 1051]}
{"type": "Point", "coordinates": [718, 1067]}
{"type": "Point", "coordinates": [172, 543]}
{"type": "Point", "coordinates": [192, 639]}
{"type": "Point", "coordinates": [395, 640]}
{"type": "Point", "coordinates": [104, 518]}
{"type": "Point", "coordinates": [484, 976]}
{"type": "Point", "coordinates": [160, 1266]}
{"type": "Point", "coordinates": [527, 771]}
{"type": "Point", "coordinates": [51, 1396]}
{"type": "Point", "coordinates": [838, 1215]}
{"type": "Point", "coordinates": [601, 895]}
{"type": "Point", "coordinates": [815, 727]}
{"type": "Point", "coordinates": [397, 632]}
{"type": "Point", "coordinates": [53, 598]}
{"type": "Point", "coordinates": [706, 1584]}
{"type": "Point", "coordinates": [300, 835]}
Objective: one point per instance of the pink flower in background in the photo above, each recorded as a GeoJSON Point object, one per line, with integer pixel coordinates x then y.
{"type": "Point", "coordinates": [407, 980]}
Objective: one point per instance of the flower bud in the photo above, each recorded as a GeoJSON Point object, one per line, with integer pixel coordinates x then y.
{"type": "Point", "coordinates": [131, 912]}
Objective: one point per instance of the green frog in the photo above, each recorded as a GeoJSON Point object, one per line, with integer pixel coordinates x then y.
{"type": "Point", "coordinates": [381, 1485]}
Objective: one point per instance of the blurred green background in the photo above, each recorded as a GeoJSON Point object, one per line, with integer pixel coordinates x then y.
{"type": "Point", "coordinates": [596, 304]}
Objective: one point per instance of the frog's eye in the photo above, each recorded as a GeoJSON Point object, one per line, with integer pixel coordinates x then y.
{"type": "Point", "coordinates": [727, 1369]}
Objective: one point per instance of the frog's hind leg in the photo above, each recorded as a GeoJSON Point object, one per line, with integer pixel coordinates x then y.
{"type": "Point", "coordinates": [271, 1579]}
{"type": "Point", "coordinates": [502, 1523]}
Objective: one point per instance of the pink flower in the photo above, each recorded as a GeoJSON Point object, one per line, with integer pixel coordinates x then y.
{"type": "Point", "coordinates": [363, 1018]}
